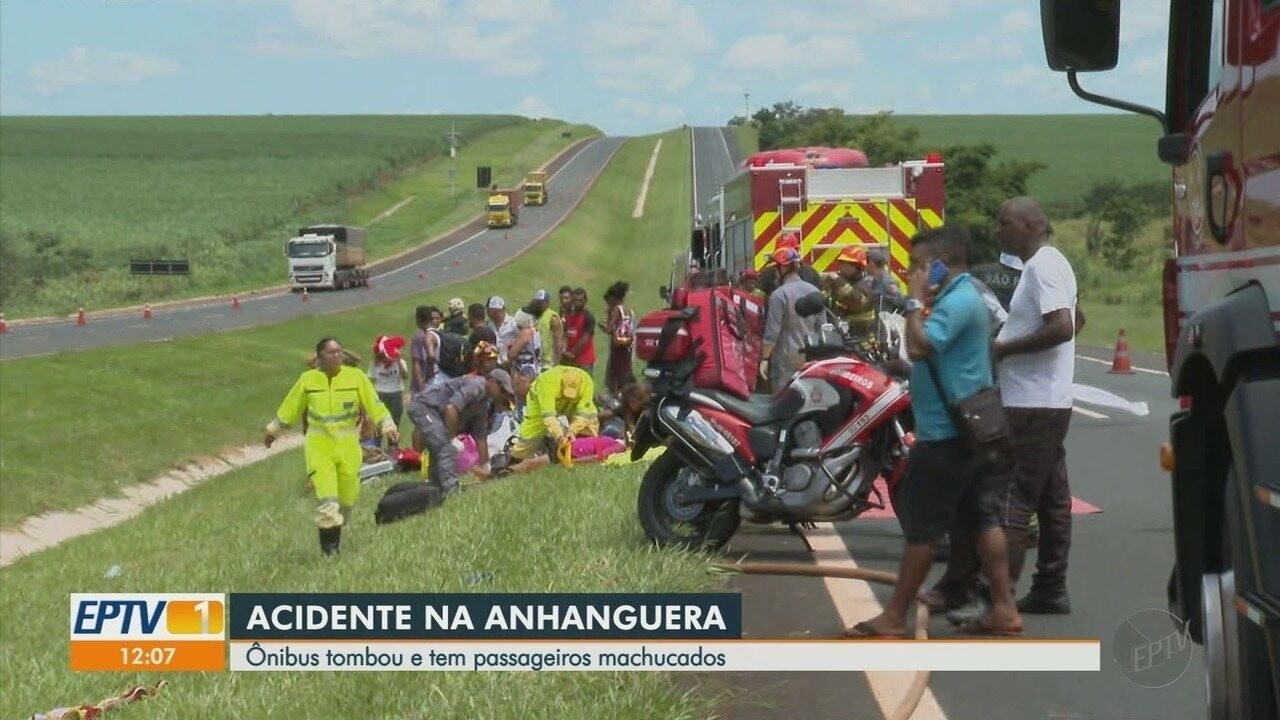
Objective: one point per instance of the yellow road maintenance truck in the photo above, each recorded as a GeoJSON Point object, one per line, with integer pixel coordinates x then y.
{"type": "Point", "coordinates": [535, 188]}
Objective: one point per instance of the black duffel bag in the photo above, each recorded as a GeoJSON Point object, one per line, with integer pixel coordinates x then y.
{"type": "Point", "coordinates": [406, 499]}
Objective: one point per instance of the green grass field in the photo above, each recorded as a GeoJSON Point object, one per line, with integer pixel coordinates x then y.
{"type": "Point", "coordinates": [1112, 298]}
{"type": "Point", "coordinates": [556, 530]}
{"type": "Point", "coordinates": [551, 531]}
{"type": "Point", "coordinates": [226, 192]}
{"type": "Point", "coordinates": [1078, 150]}
{"type": "Point", "coordinates": [144, 409]}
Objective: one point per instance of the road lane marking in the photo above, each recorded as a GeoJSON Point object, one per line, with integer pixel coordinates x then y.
{"type": "Point", "coordinates": [854, 602]}
{"type": "Point", "coordinates": [392, 210]}
{"type": "Point", "coordinates": [1090, 413]}
{"type": "Point", "coordinates": [638, 212]}
{"type": "Point", "coordinates": [693, 167]}
{"type": "Point", "coordinates": [1108, 364]}
{"type": "Point", "coordinates": [725, 143]}
{"type": "Point", "coordinates": [415, 263]}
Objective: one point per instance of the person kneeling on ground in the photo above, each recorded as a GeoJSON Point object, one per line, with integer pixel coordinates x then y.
{"type": "Point", "coordinates": [618, 415]}
{"type": "Point", "coordinates": [330, 400]}
{"type": "Point", "coordinates": [561, 390]}
{"type": "Point", "coordinates": [462, 404]}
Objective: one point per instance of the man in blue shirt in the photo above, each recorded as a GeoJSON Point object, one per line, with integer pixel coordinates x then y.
{"type": "Point", "coordinates": [943, 476]}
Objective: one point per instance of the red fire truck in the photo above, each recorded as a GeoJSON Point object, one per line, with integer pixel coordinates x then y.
{"type": "Point", "coordinates": [829, 196]}
{"type": "Point", "coordinates": [1222, 309]}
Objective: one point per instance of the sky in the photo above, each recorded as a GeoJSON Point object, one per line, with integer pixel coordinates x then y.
{"type": "Point", "coordinates": [625, 67]}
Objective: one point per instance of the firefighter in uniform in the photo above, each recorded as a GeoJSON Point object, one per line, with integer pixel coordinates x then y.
{"type": "Point", "coordinates": [561, 390]}
{"type": "Point", "coordinates": [848, 293]}
{"type": "Point", "coordinates": [769, 278]}
{"type": "Point", "coordinates": [329, 399]}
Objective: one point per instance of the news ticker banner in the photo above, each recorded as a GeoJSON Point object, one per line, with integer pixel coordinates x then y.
{"type": "Point", "coordinates": [691, 632]}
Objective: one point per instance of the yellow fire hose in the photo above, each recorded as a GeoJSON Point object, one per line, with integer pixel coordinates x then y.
{"type": "Point", "coordinates": [911, 699]}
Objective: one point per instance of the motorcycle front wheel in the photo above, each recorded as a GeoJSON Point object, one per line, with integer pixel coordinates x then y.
{"type": "Point", "coordinates": [669, 522]}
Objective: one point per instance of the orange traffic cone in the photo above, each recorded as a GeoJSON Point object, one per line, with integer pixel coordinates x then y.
{"type": "Point", "coordinates": [3, 326]}
{"type": "Point", "coordinates": [1120, 365]}
{"type": "Point", "coordinates": [146, 311]}
{"type": "Point", "coordinates": [422, 276]}
{"type": "Point", "coordinates": [235, 302]}
{"type": "Point", "coordinates": [305, 295]}
{"type": "Point", "coordinates": [80, 316]}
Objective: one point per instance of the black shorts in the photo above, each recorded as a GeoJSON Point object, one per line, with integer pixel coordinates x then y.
{"type": "Point", "coordinates": [943, 479]}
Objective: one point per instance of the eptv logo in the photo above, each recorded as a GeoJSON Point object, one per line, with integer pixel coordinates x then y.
{"type": "Point", "coordinates": [148, 615]}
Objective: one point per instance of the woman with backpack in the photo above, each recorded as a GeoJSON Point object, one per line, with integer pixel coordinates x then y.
{"type": "Point", "coordinates": [619, 328]}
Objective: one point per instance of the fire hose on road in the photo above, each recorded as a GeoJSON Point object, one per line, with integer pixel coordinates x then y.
{"type": "Point", "coordinates": [911, 699]}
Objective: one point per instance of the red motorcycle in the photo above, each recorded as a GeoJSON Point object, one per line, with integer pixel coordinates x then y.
{"type": "Point", "coordinates": [809, 453]}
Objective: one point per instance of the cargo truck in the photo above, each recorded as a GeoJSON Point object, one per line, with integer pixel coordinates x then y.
{"type": "Point", "coordinates": [1221, 295]}
{"type": "Point", "coordinates": [327, 256]}
{"type": "Point", "coordinates": [535, 188]}
{"type": "Point", "coordinates": [503, 208]}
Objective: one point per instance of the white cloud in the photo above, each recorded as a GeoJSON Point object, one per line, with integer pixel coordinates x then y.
{"type": "Point", "coordinates": [1023, 76]}
{"type": "Point", "coordinates": [648, 111]}
{"type": "Point", "coordinates": [87, 66]}
{"type": "Point", "coordinates": [500, 36]}
{"type": "Point", "coordinates": [1018, 21]}
{"type": "Point", "coordinates": [533, 106]}
{"type": "Point", "coordinates": [645, 46]}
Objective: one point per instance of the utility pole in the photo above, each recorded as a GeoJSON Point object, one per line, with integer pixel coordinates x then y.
{"type": "Point", "coordinates": [746, 107]}
{"type": "Point", "coordinates": [453, 155]}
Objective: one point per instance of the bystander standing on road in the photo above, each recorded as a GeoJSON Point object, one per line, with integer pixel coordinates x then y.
{"type": "Point", "coordinates": [1035, 355]}
{"type": "Point", "coordinates": [952, 362]}
{"type": "Point", "coordinates": [784, 330]}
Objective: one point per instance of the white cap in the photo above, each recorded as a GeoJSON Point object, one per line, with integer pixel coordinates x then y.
{"type": "Point", "coordinates": [497, 303]}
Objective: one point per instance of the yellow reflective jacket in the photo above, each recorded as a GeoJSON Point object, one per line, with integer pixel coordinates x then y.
{"type": "Point", "coordinates": [561, 390]}
{"type": "Point", "coordinates": [331, 407]}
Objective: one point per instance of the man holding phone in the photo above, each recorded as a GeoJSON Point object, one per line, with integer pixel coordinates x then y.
{"type": "Point", "coordinates": [951, 353]}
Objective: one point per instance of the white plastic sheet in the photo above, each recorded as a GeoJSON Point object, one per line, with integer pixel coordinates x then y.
{"type": "Point", "coordinates": [1103, 398]}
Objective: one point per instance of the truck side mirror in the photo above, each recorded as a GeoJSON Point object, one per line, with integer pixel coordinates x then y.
{"type": "Point", "coordinates": [1081, 35]}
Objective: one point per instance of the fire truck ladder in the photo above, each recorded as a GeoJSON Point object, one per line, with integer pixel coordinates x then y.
{"type": "Point", "coordinates": [790, 195]}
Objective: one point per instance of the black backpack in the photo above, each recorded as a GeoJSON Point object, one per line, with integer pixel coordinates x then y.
{"type": "Point", "coordinates": [454, 353]}
{"type": "Point", "coordinates": [405, 500]}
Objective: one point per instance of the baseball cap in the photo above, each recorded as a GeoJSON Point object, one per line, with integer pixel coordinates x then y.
{"type": "Point", "coordinates": [497, 303]}
{"type": "Point", "coordinates": [501, 377]}
{"type": "Point", "coordinates": [456, 305]}
{"type": "Point", "coordinates": [541, 295]}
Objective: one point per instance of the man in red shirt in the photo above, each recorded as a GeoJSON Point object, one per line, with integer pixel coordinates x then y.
{"type": "Point", "coordinates": [579, 334]}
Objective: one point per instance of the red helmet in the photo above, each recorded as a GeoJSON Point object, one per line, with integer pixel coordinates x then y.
{"type": "Point", "coordinates": [786, 256]}
{"type": "Point", "coordinates": [789, 239]}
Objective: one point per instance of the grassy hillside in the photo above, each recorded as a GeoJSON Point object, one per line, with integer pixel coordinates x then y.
{"type": "Point", "coordinates": [223, 192]}
{"type": "Point", "coordinates": [1078, 150]}
{"type": "Point", "coordinates": [142, 421]}
{"type": "Point", "coordinates": [557, 530]}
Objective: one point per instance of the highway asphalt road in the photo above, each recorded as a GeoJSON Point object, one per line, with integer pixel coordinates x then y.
{"type": "Point", "coordinates": [459, 256]}
{"type": "Point", "coordinates": [713, 165]}
{"type": "Point", "coordinates": [1120, 563]}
